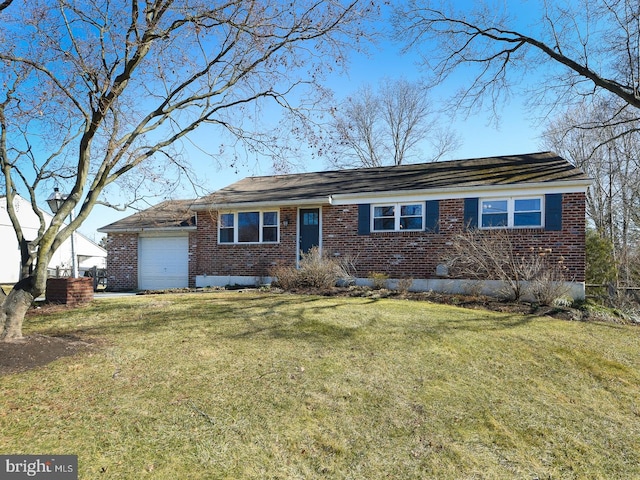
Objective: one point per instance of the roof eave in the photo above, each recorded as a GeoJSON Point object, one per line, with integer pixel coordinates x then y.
{"type": "Point", "coordinates": [444, 193]}
{"type": "Point", "coordinates": [324, 200]}
{"type": "Point", "coordinates": [146, 229]}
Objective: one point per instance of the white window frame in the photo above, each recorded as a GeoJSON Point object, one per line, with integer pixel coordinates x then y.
{"type": "Point", "coordinates": [261, 227]}
{"type": "Point", "coordinates": [511, 205]}
{"type": "Point", "coordinates": [397, 210]}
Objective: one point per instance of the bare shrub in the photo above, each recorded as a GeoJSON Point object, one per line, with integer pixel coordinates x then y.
{"type": "Point", "coordinates": [492, 254]}
{"type": "Point", "coordinates": [486, 255]}
{"type": "Point", "coordinates": [316, 269]}
{"type": "Point", "coordinates": [546, 276]}
{"type": "Point", "coordinates": [404, 284]}
{"type": "Point", "coordinates": [346, 269]}
{"type": "Point", "coordinates": [379, 280]}
{"type": "Point", "coordinates": [286, 276]}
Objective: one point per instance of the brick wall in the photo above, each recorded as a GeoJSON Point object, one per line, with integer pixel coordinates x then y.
{"type": "Point", "coordinates": [193, 258]}
{"type": "Point", "coordinates": [417, 254]}
{"type": "Point", "coordinates": [398, 254]}
{"type": "Point", "coordinates": [70, 291]}
{"type": "Point", "coordinates": [246, 259]}
{"type": "Point", "coordinates": [122, 261]}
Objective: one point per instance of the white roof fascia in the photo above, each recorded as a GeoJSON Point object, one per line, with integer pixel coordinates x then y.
{"type": "Point", "coordinates": [253, 205]}
{"type": "Point", "coordinates": [151, 230]}
{"type": "Point", "coordinates": [454, 192]}
{"type": "Point", "coordinates": [164, 233]}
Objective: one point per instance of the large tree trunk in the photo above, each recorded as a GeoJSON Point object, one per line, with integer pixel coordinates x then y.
{"type": "Point", "coordinates": [14, 308]}
{"type": "Point", "coordinates": [3, 316]}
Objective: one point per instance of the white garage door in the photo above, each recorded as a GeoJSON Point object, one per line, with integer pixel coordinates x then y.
{"type": "Point", "coordinates": [163, 262]}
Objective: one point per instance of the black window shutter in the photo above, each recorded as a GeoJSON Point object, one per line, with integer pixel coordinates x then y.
{"type": "Point", "coordinates": [364, 219]}
{"type": "Point", "coordinates": [471, 213]}
{"type": "Point", "coordinates": [553, 211]}
{"type": "Point", "coordinates": [432, 219]}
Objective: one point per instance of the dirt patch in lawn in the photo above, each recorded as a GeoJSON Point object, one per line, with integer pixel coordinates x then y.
{"type": "Point", "coordinates": [37, 350]}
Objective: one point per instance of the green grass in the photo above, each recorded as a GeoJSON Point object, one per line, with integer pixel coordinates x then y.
{"type": "Point", "coordinates": [241, 385]}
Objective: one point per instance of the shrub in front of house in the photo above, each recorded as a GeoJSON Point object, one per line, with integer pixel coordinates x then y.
{"type": "Point", "coordinates": [316, 269]}
{"type": "Point", "coordinates": [378, 280]}
{"type": "Point", "coordinates": [533, 273]}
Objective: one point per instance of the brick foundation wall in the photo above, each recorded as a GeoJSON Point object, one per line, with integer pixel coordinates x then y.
{"type": "Point", "coordinates": [122, 261]}
{"type": "Point", "coordinates": [397, 254]}
{"type": "Point", "coordinates": [69, 291]}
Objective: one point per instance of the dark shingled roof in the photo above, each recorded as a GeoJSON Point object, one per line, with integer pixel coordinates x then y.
{"type": "Point", "coordinates": [168, 214]}
{"type": "Point", "coordinates": [534, 168]}
{"type": "Point", "coordinates": [477, 172]}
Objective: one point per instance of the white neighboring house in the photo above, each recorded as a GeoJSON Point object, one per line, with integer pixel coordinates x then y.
{"type": "Point", "coordinates": [89, 254]}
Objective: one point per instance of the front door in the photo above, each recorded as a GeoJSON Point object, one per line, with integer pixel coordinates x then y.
{"type": "Point", "coordinates": [309, 221]}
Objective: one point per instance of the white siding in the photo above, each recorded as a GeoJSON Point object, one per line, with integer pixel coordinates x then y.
{"type": "Point", "coordinates": [88, 253]}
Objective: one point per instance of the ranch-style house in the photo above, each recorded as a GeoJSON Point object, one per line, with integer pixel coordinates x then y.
{"type": "Point", "coordinates": [399, 221]}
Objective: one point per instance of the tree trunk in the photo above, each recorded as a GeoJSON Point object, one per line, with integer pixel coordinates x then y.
{"type": "Point", "coordinates": [13, 309]}
{"type": "Point", "coordinates": [3, 316]}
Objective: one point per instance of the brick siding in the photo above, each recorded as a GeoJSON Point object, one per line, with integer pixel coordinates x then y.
{"type": "Point", "coordinates": [69, 291]}
{"type": "Point", "coordinates": [397, 254]}
{"type": "Point", "coordinates": [193, 258]}
{"type": "Point", "coordinates": [122, 261]}
{"type": "Point", "coordinates": [243, 259]}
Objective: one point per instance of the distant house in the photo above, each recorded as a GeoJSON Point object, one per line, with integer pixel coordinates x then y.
{"type": "Point", "coordinates": [88, 253]}
{"type": "Point", "coordinates": [395, 220]}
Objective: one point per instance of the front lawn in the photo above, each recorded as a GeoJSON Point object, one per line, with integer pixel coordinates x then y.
{"type": "Point", "coordinates": [249, 385]}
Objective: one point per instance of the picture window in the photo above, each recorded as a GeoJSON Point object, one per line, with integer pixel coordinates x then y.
{"type": "Point", "coordinates": [249, 227]}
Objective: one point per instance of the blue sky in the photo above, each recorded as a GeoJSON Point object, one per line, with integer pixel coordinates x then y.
{"type": "Point", "coordinates": [515, 133]}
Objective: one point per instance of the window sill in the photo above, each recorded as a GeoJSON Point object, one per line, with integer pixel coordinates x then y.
{"type": "Point", "coordinates": [235, 244]}
{"type": "Point", "coordinates": [489, 229]}
{"type": "Point", "coordinates": [403, 233]}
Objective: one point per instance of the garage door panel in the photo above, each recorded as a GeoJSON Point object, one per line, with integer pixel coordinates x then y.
{"type": "Point", "coordinates": [163, 262]}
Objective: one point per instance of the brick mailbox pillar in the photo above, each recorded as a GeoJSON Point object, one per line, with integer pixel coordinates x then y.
{"type": "Point", "coordinates": [70, 291]}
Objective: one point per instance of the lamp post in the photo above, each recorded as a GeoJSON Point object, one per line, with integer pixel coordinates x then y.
{"type": "Point", "coordinates": [55, 201]}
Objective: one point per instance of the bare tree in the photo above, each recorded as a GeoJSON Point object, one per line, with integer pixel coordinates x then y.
{"type": "Point", "coordinates": [96, 94]}
{"type": "Point", "coordinates": [386, 127]}
{"type": "Point", "coordinates": [358, 131]}
{"type": "Point", "coordinates": [570, 51]}
{"type": "Point", "coordinates": [612, 160]}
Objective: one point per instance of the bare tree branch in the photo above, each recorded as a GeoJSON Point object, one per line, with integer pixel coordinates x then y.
{"type": "Point", "coordinates": [591, 43]}
{"type": "Point", "coordinates": [5, 4]}
{"type": "Point", "coordinates": [97, 95]}
{"type": "Point", "coordinates": [610, 155]}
